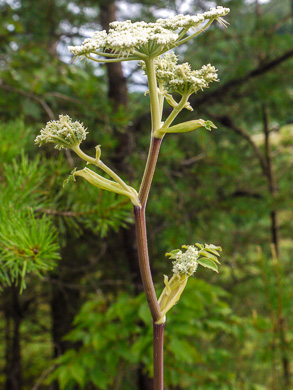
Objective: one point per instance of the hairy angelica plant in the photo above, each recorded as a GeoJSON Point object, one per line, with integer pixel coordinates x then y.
{"type": "Point", "coordinates": [170, 82]}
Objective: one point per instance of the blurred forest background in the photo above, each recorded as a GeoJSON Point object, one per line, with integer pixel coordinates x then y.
{"type": "Point", "coordinates": [82, 322]}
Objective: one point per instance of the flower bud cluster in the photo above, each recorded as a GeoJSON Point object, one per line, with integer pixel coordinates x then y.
{"type": "Point", "coordinates": [127, 36]}
{"type": "Point", "coordinates": [186, 263]}
{"type": "Point", "coordinates": [64, 133]}
{"type": "Point", "coordinates": [180, 78]}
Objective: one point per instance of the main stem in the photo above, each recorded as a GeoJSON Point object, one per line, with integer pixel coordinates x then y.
{"type": "Point", "coordinates": [144, 264]}
{"type": "Point", "coordinates": [141, 234]}
{"type": "Point", "coordinates": [149, 170]}
{"type": "Point", "coordinates": [158, 335]}
{"type": "Point", "coordinates": [140, 222]}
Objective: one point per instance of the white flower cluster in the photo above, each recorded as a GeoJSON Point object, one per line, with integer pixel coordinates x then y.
{"type": "Point", "coordinates": [187, 21]}
{"type": "Point", "coordinates": [90, 45]}
{"type": "Point", "coordinates": [127, 36]}
{"type": "Point", "coordinates": [64, 133]}
{"type": "Point", "coordinates": [180, 78]}
{"type": "Point", "coordinates": [186, 263]}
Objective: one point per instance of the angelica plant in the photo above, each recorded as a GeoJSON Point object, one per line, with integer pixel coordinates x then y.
{"type": "Point", "coordinates": [168, 82]}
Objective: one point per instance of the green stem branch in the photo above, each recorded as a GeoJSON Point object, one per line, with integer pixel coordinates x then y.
{"type": "Point", "coordinates": [180, 42]}
{"type": "Point", "coordinates": [112, 174]}
{"type": "Point", "coordinates": [160, 132]}
{"type": "Point", "coordinates": [149, 170]}
{"type": "Point", "coordinates": [153, 91]}
{"type": "Point", "coordinates": [100, 164]}
{"type": "Point", "coordinates": [113, 60]}
{"type": "Point", "coordinates": [176, 111]}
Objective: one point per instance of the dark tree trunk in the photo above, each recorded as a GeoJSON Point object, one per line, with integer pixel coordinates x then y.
{"type": "Point", "coordinates": [144, 381]}
{"type": "Point", "coordinates": [66, 296]}
{"type": "Point", "coordinates": [64, 305]}
{"type": "Point", "coordinates": [13, 316]}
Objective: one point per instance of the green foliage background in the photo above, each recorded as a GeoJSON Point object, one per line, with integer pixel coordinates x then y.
{"type": "Point", "coordinates": [82, 302]}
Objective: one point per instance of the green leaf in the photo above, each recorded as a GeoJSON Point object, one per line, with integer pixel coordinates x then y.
{"type": "Point", "coordinates": [213, 251]}
{"type": "Point", "coordinates": [140, 346]}
{"type": "Point", "coordinates": [188, 126]}
{"type": "Point", "coordinates": [78, 373]}
{"type": "Point", "coordinates": [172, 254]}
{"type": "Point", "coordinates": [209, 255]}
{"type": "Point", "coordinates": [88, 360]}
{"type": "Point", "coordinates": [144, 313]}
{"type": "Point", "coordinates": [184, 351]}
{"type": "Point", "coordinates": [207, 263]}
{"type": "Point", "coordinates": [100, 378]}
{"type": "Point", "coordinates": [64, 377]}
{"type": "Point", "coordinates": [70, 178]}
{"type": "Point", "coordinates": [212, 246]}
{"type": "Point", "coordinates": [209, 125]}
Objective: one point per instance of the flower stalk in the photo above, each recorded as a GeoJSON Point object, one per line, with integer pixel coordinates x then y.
{"type": "Point", "coordinates": [153, 92]}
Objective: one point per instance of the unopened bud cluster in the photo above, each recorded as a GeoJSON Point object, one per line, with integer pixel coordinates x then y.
{"type": "Point", "coordinates": [186, 263]}
{"type": "Point", "coordinates": [181, 78]}
{"type": "Point", "coordinates": [64, 133]}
